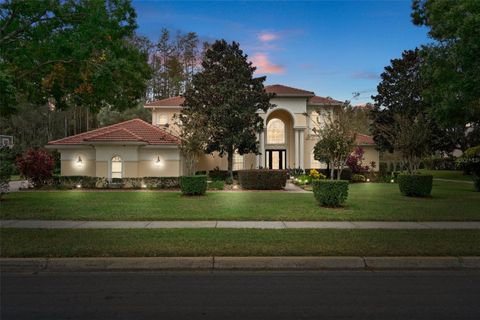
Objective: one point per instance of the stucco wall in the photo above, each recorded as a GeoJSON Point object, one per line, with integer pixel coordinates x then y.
{"type": "Point", "coordinates": [371, 155]}
{"type": "Point", "coordinates": [170, 113]}
{"type": "Point", "coordinates": [138, 161]}
{"type": "Point", "coordinates": [70, 166]}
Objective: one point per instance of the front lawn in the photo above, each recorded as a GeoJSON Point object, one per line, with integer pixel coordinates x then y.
{"type": "Point", "coordinates": [367, 201]}
{"type": "Point", "coordinates": [447, 174]}
{"type": "Point", "coordinates": [237, 242]}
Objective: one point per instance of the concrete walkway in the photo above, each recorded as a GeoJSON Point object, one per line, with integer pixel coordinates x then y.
{"type": "Point", "coordinates": [69, 224]}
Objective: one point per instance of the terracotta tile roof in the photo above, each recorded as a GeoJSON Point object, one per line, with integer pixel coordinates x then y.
{"type": "Point", "coordinates": [363, 139]}
{"type": "Point", "coordinates": [135, 130]}
{"type": "Point", "coordinates": [121, 134]}
{"type": "Point", "coordinates": [281, 90]}
{"type": "Point", "coordinates": [168, 102]}
{"type": "Point", "coordinates": [322, 100]}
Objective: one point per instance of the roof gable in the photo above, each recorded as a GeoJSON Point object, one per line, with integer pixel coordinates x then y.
{"type": "Point", "coordinates": [285, 91]}
{"type": "Point", "coordinates": [135, 130]}
{"type": "Point", "coordinates": [316, 100]}
{"type": "Point", "coordinates": [168, 102]}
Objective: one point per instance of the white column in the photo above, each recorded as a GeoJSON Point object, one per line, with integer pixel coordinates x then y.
{"type": "Point", "coordinates": [302, 144]}
{"type": "Point", "coordinates": [297, 150]}
{"type": "Point", "coordinates": [262, 149]}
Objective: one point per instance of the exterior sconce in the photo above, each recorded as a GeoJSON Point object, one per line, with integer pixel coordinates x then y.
{"type": "Point", "coordinates": [158, 161]}
{"type": "Point", "coordinates": [79, 162]}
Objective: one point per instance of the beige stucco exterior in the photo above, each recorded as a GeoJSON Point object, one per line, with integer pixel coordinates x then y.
{"type": "Point", "coordinates": [137, 161]}
{"type": "Point", "coordinates": [299, 119]}
{"type": "Point", "coordinates": [297, 115]}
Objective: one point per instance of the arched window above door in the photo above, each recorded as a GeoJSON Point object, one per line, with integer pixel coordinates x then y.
{"type": "Point", "coordinates": [275, 131]}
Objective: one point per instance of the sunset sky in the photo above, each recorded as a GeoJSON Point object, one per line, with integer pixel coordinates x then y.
{"type": "Point", "coordinates": [334, 48]}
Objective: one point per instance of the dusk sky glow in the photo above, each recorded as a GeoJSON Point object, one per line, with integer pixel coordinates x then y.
{"type": "Point", "coordinates": [334, 48]}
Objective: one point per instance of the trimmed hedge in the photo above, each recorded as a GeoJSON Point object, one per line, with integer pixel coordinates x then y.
{"type": "Point", "coordinates": [162, 182]}
{"type": "Point", "coordinates": [218, 175]}
{"type": "Point", "coordinates": [216, 185]}
{"type": "Point", "coordinates": [330, 193]}
{"type": "Point", "coordinates": [358, 178]}
{"type": "Point", "coordinates": [415, 185]}
{"type": "Point", "coordinates": [193, 185]}
{"type": "Point", "coordinates": [71, 182]}
{"type": "Point", "coordinates": [262, 179]}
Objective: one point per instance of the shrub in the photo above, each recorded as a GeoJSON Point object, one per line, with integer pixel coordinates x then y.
{"type": "Point", "coordinates": [358, 178]}
{"type": "Point", "coordinates": [316, 175]}
{"type": "Point", "coordinates": [295, 172]}
{"type": "Point", "coordinates": [5, 174]}
{"type": "Point", "coordinates": [217, 174]}
{"type": "Point", "coordinates": [354, 161]}
{"type": "Point", "coordinates": [330, 193]}
{"type": "Point", "coordinates": [36, 165]}
{"type": "Point", "coordinates": [262, 179]}
{"type": "Point", "coordinates": [415, 185]}
{"type": "Point", "coordinates": [216, 185]}
{"type": "Point", "coordinates": [303, 179]}
{"type": "Point", "coordinates": [201, 173]}
{"type": "Point", "coordinates": [383, 169]}
{"type": "Point", "coordinates": [193, 185]}
{"type": "Point", "coordinates": [135, 183]}
{"type": "Point", "coordinates": [161, 182]}
{"type": "Point", "coordinates": [228, 180]}
{"type": "Point", "coordinates": [476, 183]}
{"type": "Point", "coordinates": [71, 182]}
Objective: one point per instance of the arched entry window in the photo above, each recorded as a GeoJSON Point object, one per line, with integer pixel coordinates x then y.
{"type": "Point", "coordinates": [275, 131]}
{"type": "Point", "coordinates": [117, 165]}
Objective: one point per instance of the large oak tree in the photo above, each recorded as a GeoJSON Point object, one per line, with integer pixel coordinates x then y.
{"type": "Point", "coordinates": [77, 52]}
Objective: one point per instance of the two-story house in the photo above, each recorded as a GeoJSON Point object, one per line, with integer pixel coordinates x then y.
{"type": "Point", "coordinates": [137, 149]}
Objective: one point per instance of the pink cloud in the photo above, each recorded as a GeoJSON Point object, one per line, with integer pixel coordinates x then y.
{"type": "Point", "coordinates": [266, 37]}
{"type": "Point", "coordinates": [264, 65]}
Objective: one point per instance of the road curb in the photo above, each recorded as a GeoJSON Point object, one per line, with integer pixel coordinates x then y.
{"type": "Point", "coordinates": [34, 265]}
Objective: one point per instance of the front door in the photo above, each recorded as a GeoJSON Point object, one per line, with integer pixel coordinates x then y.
{"type": "Point", "coordinates": [276, 159]}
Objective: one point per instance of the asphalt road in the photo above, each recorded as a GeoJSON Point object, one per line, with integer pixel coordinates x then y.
{"type": "Point", "coordinates": [242, 295]}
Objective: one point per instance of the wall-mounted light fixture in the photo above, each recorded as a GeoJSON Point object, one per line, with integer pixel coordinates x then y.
{"type": "Point", "coordinates": [79, 162]}
{"type": "Point", "coordinates": [158, 161]}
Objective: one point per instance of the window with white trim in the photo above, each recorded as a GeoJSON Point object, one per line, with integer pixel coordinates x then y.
{"type": "Point", "coordinates": [275, 131]}
{"type": "Point", "coordinates": [117, 165]}
{"type": "Point", "coordinates": [237, 161]}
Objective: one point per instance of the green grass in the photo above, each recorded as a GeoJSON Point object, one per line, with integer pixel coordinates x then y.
{"type": "Point", "coordinates": [447, 174]}
{"type": "Point", "coordinates": [16, 178]}
{"type": "Point", "coordinates": [237, 242]}
{"type": "Point", "coordinates": [367, 201]}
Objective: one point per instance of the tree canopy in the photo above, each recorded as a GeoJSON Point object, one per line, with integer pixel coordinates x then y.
{"type": "Point", "coordinates": [228, 96]}
{"type": "Point", "coordinates": [70, 53]}
{"type": "Point", "coordinates": [452, 63]}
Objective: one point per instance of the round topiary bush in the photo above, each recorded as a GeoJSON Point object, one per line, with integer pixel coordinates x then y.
{"type": "Point", "coordinates": [415, 185]}
{"type": "Point", "coordinates": [193, 185]}
{"type": "Point", "coordinates": [330, 193]}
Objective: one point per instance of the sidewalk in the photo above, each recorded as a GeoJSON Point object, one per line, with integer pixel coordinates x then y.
{"type": "Point", "coordinates": [70, 224]}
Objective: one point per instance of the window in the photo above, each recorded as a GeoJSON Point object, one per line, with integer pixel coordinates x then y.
{"type": "Point", "coordinates": [237, 161]}
{"type": "Point", "coordinates": [162, 119]}
{"type": "Point", "coordinates": [117, 167]}
{"type": "Point", "coordinates": [275, 132]}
